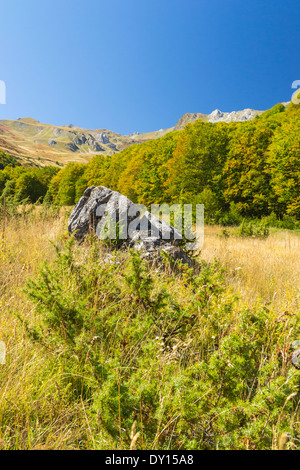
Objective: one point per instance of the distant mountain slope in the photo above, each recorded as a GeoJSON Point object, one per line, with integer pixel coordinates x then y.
{"type": "Point", "coordinates": [217, 116]}
{"type": "Point", "coordinates": [36, 143]}
{"type": "Point", "coordinates": [189, 118]}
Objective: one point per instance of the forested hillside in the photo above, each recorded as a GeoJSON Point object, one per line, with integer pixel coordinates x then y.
{"type": "Point", "coordinates": [249, 169]}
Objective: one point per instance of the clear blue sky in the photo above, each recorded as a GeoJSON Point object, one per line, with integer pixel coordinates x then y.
{"type": "Point", "coordinates": [138, 65]}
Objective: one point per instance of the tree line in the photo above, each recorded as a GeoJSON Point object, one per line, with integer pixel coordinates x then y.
{"type": "Point", "coordinates": [241, 169]}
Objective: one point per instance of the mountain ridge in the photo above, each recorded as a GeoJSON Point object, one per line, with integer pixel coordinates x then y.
{"type": "Point", "coordinates": [33, 142]}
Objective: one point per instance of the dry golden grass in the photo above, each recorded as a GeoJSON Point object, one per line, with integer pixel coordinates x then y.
{"type": "Point", "coordinates": [57, 424]}
{"type": "Point", "coordinates": [34, 417]}
{"type": "Point", "coordinates": [265, 269]}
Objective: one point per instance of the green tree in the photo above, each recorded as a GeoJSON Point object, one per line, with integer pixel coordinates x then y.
{"type": "Point", "coordinates": [284, 161]}
{"type": "Point", "coordinates": [246, 173]}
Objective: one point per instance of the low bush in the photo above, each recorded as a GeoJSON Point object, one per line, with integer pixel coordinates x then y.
{"type": "Point", "coordinates": [252, 229]}
{"type": "Point", "coordinates": [177, 354]}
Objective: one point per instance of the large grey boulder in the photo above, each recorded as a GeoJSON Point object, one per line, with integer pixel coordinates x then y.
{"type": "Point", "coordinates": [100, 207]}
{"type": "Point", "coordinates": [88, 216]}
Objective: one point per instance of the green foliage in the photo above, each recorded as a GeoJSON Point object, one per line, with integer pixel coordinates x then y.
{"type": "Point", "coordinates": [277, 109]}
{"type": "Point", "coordinates": [231, 217]}
{"type": "Point", "coordinates": [284, 162]}
{"type": "Point", "coordinates": [65, 187]}
{"type": "Point", "coordinates": [245, 173]}
{"type": "Point", "coordinates": [198, 159]}
{"type": "Point", "coordinates": [179, 355]}
{"type": "Point", "coordinates": [7, 160]}
{"type": "Point", "coordinates": [287, 222]}
{"type": "Point", "coordinates": [211, 204]}
{"type": "Point", "coordinates": [26, 184]}
{"type": "Point", "coordinates": [238, 170]}
{"type": "Point", "coordinates": [252, 229]}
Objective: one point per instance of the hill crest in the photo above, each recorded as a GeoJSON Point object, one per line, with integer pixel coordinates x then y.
{"type": "Point", "coordinates": [45, 144]}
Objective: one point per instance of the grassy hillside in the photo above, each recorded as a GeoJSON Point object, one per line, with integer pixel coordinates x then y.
{"type": "Point", "coordinates": [38, 144]}
{"type": "Point", "coordinates": [34, 143]}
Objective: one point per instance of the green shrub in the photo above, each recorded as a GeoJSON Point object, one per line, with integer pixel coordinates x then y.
{"type": "Point", "coordinates": [178, 354]}
{"type": "Point", "coordinates": [7, 160]}
{"type": "Point", "coordinates": [211, 205]}
{"type": "Point", "coordinates": [232, 217]}
{"type": "Point", "coordinates": [252, 229]}
{"type": "Point", "coordinates": [287, 222]}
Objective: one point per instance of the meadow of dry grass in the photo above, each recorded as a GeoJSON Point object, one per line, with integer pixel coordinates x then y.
{"type": "Point", "coordinates": [267, 269]}
{"type": "Point", "coordinates": [23, 246]}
